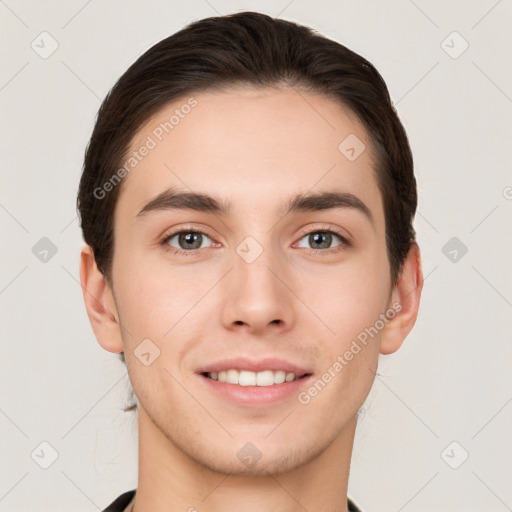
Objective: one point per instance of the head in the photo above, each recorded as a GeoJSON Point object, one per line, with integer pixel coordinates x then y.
{"type": "Point", "coordinates": [257, 115]}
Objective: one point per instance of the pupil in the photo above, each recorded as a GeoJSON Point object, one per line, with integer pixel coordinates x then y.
{"type": "Point", "coordinates": [326, 236]}
{"type": "Point", "coordinates": [190, 238]}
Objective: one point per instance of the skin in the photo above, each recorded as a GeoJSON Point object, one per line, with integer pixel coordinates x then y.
{"type": "Point", "coordinates": [255, 148]}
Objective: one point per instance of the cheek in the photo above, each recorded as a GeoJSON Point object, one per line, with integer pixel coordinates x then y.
{"type": "Point", "coordinates": [347, 298]}
{"type": "Point", "coordinates": [154, 296]}
{"type": "Point", "coordinates": [349, 301]}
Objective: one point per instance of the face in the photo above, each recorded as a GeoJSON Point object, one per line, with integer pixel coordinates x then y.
{"type": "Point", "coordinates": [243, 276]}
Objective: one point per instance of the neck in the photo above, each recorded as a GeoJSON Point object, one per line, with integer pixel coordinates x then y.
{"type": "Point", "coordinates": [170, 480]}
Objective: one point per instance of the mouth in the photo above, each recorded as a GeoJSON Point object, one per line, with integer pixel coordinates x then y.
{"type": "Point", "coordinates": [254, 383]}
{"type": "Point", "coordinates": [260, 390]}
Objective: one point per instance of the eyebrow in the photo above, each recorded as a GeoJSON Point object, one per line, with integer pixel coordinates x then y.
{"type": "Point", "coordinates": [173, 199]}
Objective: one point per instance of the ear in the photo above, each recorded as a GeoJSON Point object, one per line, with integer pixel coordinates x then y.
{"type": "Point", "coordinates": [406, 297]}
{"type": "Point", "coordinates": [99, 303]}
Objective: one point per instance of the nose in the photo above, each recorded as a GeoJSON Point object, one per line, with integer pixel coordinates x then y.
{"type": "Point", "coordinates": [258, 296]}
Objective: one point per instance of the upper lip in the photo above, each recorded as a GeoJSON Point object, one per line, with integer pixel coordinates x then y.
{"type": "Point", "coordinates": [242, 363]}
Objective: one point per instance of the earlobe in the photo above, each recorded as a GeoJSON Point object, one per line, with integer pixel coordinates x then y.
{"type": "Point", "coordinates": [99, 303]}
{"type": "Point", "coordinates": [405, 299]}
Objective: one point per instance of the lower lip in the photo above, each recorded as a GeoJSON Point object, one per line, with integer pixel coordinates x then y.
{"type": "Point", "coordinates": [257, 396]}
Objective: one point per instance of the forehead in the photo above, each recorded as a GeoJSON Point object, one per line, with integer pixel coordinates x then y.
{"type": "Point", "coordinates": [255, 147]}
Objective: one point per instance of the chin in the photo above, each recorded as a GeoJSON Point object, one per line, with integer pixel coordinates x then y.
{"type": "Point", "coordinates": [255, 459]}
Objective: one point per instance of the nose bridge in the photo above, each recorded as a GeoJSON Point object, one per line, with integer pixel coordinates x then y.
{"type": "Point", "coordinates": [257, 296]}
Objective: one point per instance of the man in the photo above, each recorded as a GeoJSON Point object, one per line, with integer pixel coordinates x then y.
{"type": "Point", "coordinates": [247, 202]}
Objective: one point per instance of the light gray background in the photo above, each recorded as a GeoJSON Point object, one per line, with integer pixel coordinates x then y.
{"type": "Point", "coordinates": [451, 381]}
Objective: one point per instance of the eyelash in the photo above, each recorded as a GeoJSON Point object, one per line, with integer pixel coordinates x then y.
{"type": "Point", "coordinates": [345, 244]}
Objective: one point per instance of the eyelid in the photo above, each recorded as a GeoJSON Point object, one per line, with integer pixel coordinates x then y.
{"type": "Point", "coordinates": [326, 227]}
{"type": "Point", "coordinates": [185, 228]}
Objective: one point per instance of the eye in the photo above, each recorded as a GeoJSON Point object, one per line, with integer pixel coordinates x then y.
{"type": "Point", "coordinates": [321, 241]}
{"type": "Point", "coordinates": [186, 241]}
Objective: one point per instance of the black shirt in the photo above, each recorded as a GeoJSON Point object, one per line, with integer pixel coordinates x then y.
{"type": "Point", "coordinates": [122, 501]}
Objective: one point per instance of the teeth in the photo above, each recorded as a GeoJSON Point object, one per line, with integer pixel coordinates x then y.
{"type": "Point", "coordinates": [247, 378]}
